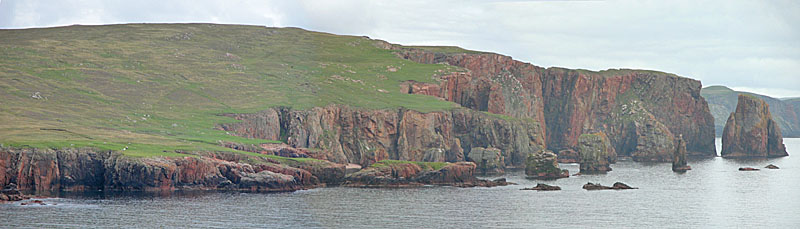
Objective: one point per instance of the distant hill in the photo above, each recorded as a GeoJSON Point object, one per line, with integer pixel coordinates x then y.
{"type": "Point", "coordinates": [722, 101]}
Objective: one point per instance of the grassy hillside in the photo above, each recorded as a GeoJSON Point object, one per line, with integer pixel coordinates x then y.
{"type": "Point", "coordinates": [722, 101]}
{"type": "Point", "coordinates": [156, 88]}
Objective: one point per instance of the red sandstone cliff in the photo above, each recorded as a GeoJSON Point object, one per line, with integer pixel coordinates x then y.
{"type": "Point", "coordinates": [751, 131]}
{"type": "Point", "coordinates": [86, 169]}
{"type": "Point", "coordinates": [569, 103]}
{"type": "Point", "coordinates": [360, 136]}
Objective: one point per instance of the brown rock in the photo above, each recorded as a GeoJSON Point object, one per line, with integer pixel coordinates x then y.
{"type": "Point", "coordinates": [751, 131]}
{"type": "Point", "coordinates": [748, 169]}
{"type": "Point", "coordinates": [543, 187]}
{"type": "Point", "coordinates": [569, 103]}
{"type": "Point", "coordinates": [679, 157]}
{"type": "Point", "coordinates": [616, 186]}
{"type": "Point", "coordinates": [771, 166]}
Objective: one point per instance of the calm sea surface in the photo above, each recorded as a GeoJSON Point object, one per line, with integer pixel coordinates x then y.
{"type": "Point", "coordinates": [713, 194]}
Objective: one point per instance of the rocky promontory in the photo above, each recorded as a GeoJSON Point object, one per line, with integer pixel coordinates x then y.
{"type": "Point", "coordinates": [88, 169]}
{"type": "Point", "coordinates": [751, 131]}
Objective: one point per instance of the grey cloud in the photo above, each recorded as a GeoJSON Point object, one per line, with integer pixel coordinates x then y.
{"type": "Point", "coordinates": [743, 44]}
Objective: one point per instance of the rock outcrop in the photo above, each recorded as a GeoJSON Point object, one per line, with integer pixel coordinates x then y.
{"type": "Point", "coordinates": [751, 132]}
{"type": "Point", "coordinates": [679, 157]}
{"type": "Point", "coordinates": [489, 160]}
{"type": "Point", "coordinates": [87, 169]}
{"type": "Point", "coordinates": [569, 103]}
{"type": "Point", "coordinates": [544, 187]}
{"type": "Point", "coordinates": [595, 152]}
{"type": "Point", "coordinates": [11, 193]}
{"type": "Point", "coordinates": [544, 166]}
{"type": "Point", "coordinates": [616, 186]}
{"type": "Point", "coordinates": [396, 174]}
{"type": "Point", "coordinates": [346, 135]}
{"type": "Point", "coordinates": [771, 166]}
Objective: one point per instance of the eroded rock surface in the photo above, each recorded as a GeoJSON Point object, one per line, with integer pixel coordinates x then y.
{"type": "Point", "coordinates": [348, 135]}
{"type": "Point", "coordinates": [543, 187]}
{"type": "Point", "coordinates": [544, 166]}
{"type": "Point", "coordinates": [679, 157]}
{"type": "Point", "coordinates": [87, 169]}
{"type": "Point", "coordinates": [489, 160]}
{"type": "Point", "coordinates": [411, 174]}
{"type": "Point", "coordinates": [751, 131]}
{"type": "Point", "coordinates": [568, 102]}
{"type": "Point", "coordinates": [595, 151]}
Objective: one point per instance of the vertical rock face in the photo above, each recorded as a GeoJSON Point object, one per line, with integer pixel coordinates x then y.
{"type": "Point", "coordinates": [646, 139]}
{"type": "Point", "coordinates": [86, 169]}
{"type": "Point", "coordinates": [679, 157]}
{"type": "Point", "coordinates": [751, 132]}
{"type": "Point", "coordinates": [595, 150]}
{"type": "Point", "coordinates": [544, 166]}
{"type": "Point", "coordinates": [489, 160]}
{"type": "Point", "coordinates": [569, 103]}
{"type": "Point", "coordinates": [350, 135]}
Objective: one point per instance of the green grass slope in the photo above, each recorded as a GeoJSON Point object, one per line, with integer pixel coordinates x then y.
{"type": "Point", "coordinates": [157, 88]}
{"type": "Point", "coordinates": [722, 101]}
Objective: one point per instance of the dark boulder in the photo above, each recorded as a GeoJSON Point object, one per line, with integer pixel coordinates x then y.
{"type": "Point", "coordinates": [543, 187]}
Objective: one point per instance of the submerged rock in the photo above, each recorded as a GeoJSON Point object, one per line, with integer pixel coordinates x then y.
{"type": "Point", "coordinates": [594, 150]}
{"type": "Point", "coordinates": [489, 160]}
{"type": "Point", "coordinates": [751, 132]}
{"type": "Point", "coordinates": [616, 186]}
{"type": "Point", "coordinates": [543, 187]}
{"type": "Point", "coordinates": [679, 157]}
{"type": "Point", "coordinates": [544, 165]}
{"type": "Point", "coordinates": [748, 169]}
{"type": "Point", "coordinates": [771, 166]}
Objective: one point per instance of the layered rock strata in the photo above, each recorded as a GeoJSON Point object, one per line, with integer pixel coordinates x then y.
{"type": "Point", "coordinates": [751, 132]}
{"type": "Point", "coordinates": [346, 135]}
{"type": "Point", "coordinates": [569, 103]}
{"type": "Point", "coordinates": [87, 169]}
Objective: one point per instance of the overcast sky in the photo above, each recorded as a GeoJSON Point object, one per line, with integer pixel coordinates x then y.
{"type": "Point", "coordinates": [747, 45]}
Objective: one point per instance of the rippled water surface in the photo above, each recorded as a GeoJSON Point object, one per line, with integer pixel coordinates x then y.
{"type": "Point", "coordinates": [713, 194]}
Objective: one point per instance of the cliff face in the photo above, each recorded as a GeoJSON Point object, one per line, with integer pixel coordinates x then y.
{"type": "Point", "coordinates": [349, 135]}
{"type": "Point", "coordinates": [85, 169]}
{"type": "Point", "coordinates": [751, 131]}
{"type": "Point", "coordinates": [571, 102]}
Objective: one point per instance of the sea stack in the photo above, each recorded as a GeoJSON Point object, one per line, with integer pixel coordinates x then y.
{"type": "Point", "coordinates": [544, 165]}
{"type": "Point", "coordinates": [595, 151]}
{"type": "Point", "coordinates": [751, 132]}
{"type": "Point", "coordinates": [679, 157]}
